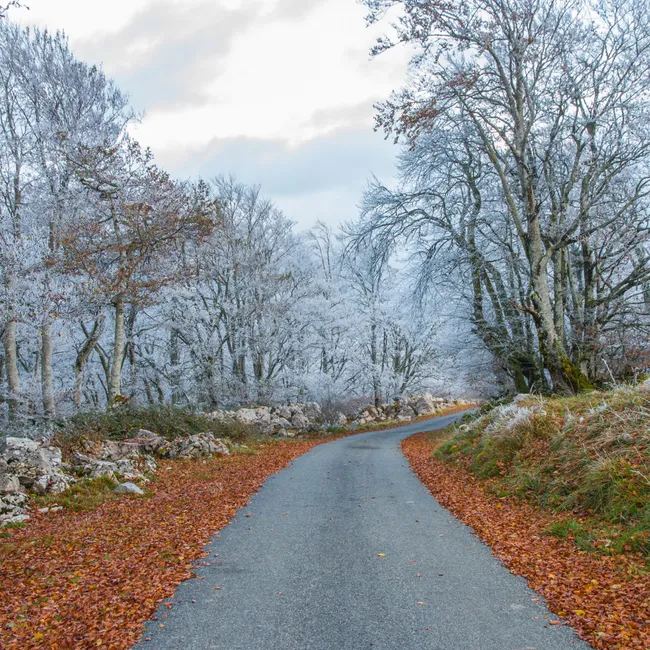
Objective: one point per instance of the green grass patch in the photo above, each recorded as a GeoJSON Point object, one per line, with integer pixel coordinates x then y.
{"type": "Point", "coordinates": [85, 495]}
{"type": "Point", "coordinates": [587, 456]}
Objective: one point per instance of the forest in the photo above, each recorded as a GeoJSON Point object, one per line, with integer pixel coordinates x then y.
{"type": "Point", "coordinates": [509, 256]}
{"type": "Point", "coordinates": [121, 283]}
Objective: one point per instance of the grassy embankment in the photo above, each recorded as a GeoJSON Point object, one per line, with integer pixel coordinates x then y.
{"type": "Point", "coordinates": [586, 458]}
{"type": "Point", "coordinates": [559, 488]}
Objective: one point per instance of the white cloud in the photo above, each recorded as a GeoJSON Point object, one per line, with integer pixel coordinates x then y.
{"type": "Point", "coordinates": [291, 72]}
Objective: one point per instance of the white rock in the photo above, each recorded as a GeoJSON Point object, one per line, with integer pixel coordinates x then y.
{"type": "Point", "coordinates": [339, 419]}
{"type": "Point", "coordinates": [280, 423]}
{"type": "Point", "coordinates": [103, 468]}
{"type": "Point", "coordinates": [424, 404]}
{"type": "Point", "coordinates": [312, 410]}
{"type": "Point", "coordinates": [254, 417]}
{"type": "Point", "coordinates": [299, 421]}
{"type": "Point", "coordinates": [283, 412]}
{"type": "Point", "coordinates": [405, 412]}
{"type": "Point", "coordinates": [128, 488]}
{"type": "Point", "coordinates": [126, 470]}
{"type": "Point", "coordinates": [9, 484]}
{"type": "Point", "coordinates": [13, 508]}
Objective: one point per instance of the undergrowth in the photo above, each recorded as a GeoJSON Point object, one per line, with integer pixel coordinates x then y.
{"type": "Point", "coordinates": [122, 422]}
{"type": "Point", "coordinates": [586, 457]}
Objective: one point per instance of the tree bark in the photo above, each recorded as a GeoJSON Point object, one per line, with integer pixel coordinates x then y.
{"type": "Point", "coordinates": [11, 363]}
{"type": "Point", "coordinates": [11, 356]}
{"type": "Point", "coordinates": [47, 381]}
{"type": "Point", "coordinates": [115, 379]}
{"type": "Point", "coordinates": [80, 362]}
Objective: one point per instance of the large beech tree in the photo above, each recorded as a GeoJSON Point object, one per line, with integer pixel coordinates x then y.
{"type": "Point", "coordinates": [553, 98]}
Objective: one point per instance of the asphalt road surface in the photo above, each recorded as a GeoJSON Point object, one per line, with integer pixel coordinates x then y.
{"type": "Point", "coordinates": [347, 550]}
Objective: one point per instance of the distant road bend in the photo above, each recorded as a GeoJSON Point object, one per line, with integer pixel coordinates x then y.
{"type": "Point", "coordinates": [347, 550]}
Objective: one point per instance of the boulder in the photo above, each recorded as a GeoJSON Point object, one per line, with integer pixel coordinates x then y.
{"type": "Point", "coordinates": [299, 421]}
{"type": "Point", "coordinates": [225, 417]}
{"type": "Point", "coordinates": [9, 484]}
{"type": "Point", "coordinates": [30, 453]}
{"type": "Point", "coordinates": [312, 411]}
{"type": "Point", "coordinates": [37, 466]}
{"type": "Point", "coordinates": [200, 444]}
{"type": "Point", "coordinates": [283, 412]}
{"type": "Point", "coordinates": [128, 488]}
{"type": "Point", "coordinates": [280, 423]}
{"type": "Point", "coordinates": [254, 417]}
{"type": "Point", "coordinates": [423, 404]}
{"type": "Point", "coordinates": [406, 412]}
{"type": "Point", "coordinates": [13, 509]}
{"type": "Point", "coordinates": [103, 468]}
{"type": "Point", "coordinates": [148, 441]}
{"type": "Point", "coordinates": [114, 450]}
{"type": "Point", "coordinates": [126, 470]}
{"type": "Point", "coordinates": [338, 419]}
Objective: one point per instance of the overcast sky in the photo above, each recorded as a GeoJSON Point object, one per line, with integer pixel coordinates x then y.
{"type": "Point", "coordinates": [278, 92]}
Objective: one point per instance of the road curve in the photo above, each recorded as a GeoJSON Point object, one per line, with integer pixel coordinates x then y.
{"type": "Point", "coordinates": [347, 550]}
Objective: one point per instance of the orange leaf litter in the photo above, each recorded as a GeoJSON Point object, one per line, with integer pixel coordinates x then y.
{"type": "Point", "coordinates": [604, 598]}
{"type": "Point", "coordinates": [70, 581]}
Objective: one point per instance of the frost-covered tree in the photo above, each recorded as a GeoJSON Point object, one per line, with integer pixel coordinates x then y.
{"type": "Point", "coordinates": [538, 115]}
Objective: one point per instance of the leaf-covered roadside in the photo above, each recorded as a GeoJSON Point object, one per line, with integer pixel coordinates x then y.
{"type": "Point", "coordinates": [90, 579]}
{"type": "Point", "coordinates": [605, 598]}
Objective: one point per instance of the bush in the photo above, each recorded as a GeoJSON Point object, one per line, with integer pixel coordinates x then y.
{"type": "Point", "coordinates": [122, 422]}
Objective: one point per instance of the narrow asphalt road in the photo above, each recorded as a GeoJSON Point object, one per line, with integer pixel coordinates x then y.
{"type": "Point", "coordinates": [347, 550]}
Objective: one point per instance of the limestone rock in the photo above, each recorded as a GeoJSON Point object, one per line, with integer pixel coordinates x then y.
{"type": "Point", "coordinates": [37, 466]}
{"type": "Point", "coordinates": [254, 417]}
{"type": "Point", "coordinates": [128, 488]}
{"type": "Point", "coordinates": [103, 468]}
{"type": "Point", "coordinates": [13, 508]}
{"type": "Point", "coordinates": [280, 423]}
{"type": "Point", "coordinates": [127, 470]}
{"type": "Point", "coordinates": [339, 419]}
{"type": "Point", "coordinates": [283, 412]}
{"type": "Point", "coordinates": [424, 404]}
{"type": "Point", "coordinates": [9, 484]}
{"type": "Point", "coordinates": [200, 444]}
{"type": "Point", "coordinates": [312, 411]}
{"type": "Point", "coordinates": [406, 412]}
{"type": "Point", "coordinates": [148, 441]}
{"type": "Point", "coordinates": [299, 421]}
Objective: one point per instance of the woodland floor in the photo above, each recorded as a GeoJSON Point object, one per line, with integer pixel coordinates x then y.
{"type": "Point", "coordinates": [605, 598]}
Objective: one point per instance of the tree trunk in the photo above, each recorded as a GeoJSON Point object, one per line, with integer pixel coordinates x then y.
{"type": "Point", "coordinates": [11, 364]}
{"type": "Point", "coordinates": [115, 380]}
{"type": "Point", "coordinates": [47, 382]}
{"type": "Point", "coordinates": [174, 360]}
{"type": "Point", "coordinates": [566, 376]}
{"type": "Point", "coordinates": [80, 362]}
{"type": "Point", "coordinates": [11, 357]}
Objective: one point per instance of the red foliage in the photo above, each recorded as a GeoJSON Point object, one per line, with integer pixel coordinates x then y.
{"type": "Point", "coordinates": [605, 598]}
{"type": "Point", "coordinates": [91, 579]}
